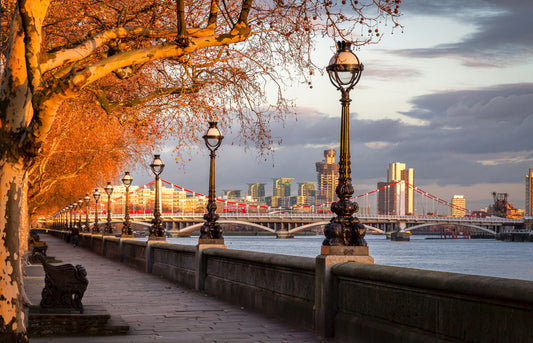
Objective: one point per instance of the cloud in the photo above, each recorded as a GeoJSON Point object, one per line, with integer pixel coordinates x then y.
{"type": "Point", "coordinates": [489, 140]}
{"type": "Point", "coordinates": [388, 71]}
{"type": "Point", "coordinates": [471, 137]}
{"type": "Point", "coordinates": [503, 34]}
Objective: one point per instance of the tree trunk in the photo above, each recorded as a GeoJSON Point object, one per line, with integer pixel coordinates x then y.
{"type": "Point", "coordinates": [13, 208]}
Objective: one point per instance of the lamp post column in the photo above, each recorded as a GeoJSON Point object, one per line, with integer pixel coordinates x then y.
{"type": "Point", "coordinates": [344, 230]}
{"type": "Point", "coordinates": [344, 234]}
{"type": "Point", "coordinates": [80, 203]}
{"type": "Point", "coordinates": [127, 232]}
{"type": "Point", "coordinates": [157, 233]}
{"type": "Point", "coordinates": [86, 199]}
{"type": "Point", "coordinates": [96, 227]}
{"type": "Point", "coordinates": [211, 231]}
{"type": "Point", "coordinates": [108, 228]}
{"type": "Point", "coordinates": [71, 217]}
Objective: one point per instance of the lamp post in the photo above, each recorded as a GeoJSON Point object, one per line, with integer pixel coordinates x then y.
{"type": "Point", "coordinates": [211, 230]}
{"type": "Point", "coordinates": [63, 219]}
{"type": "Point", "coordinates": [156, 231]}
{"type": "Point", "coordinates": [344, 72]}
{"type": "Point", "coordinates": [108, 228]}
{"type": "Point", "coordinates": [86, 200]}
{"type": "Point", "coordinates": [80, 203]}
{"type": "Point", "coordinates": [126, 226]}
{"type": "Point", "coordinates": [96, 196]}
{"type": "Point", "coordinates": [71, 216]}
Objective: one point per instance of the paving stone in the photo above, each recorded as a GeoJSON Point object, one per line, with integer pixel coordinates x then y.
{"type": "Point", "coordinates": [158, 310]}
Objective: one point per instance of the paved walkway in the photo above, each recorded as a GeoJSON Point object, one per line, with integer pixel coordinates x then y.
{"type": "Point", "coordinates": [158, 310]}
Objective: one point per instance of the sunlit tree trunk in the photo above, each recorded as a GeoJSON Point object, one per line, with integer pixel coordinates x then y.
{"type": "Point", "coordinates": [12, 210]}
{"type": "Point", "coordinates": [15, 116]}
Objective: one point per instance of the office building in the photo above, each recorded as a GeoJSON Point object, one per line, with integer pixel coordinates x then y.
{"type": "Point", "coordinates": [306, 193]}
{"type": "Point", "coordinates": [232, 193]}
{"type": "Point", "coordinates": [391, 198]}
{"type": "Point", "coordinates": [281, 187]}
{"type": "Point", "coordinates": [397, 199]}
{"type": "Point", "coordinates": [256, 190]}
{"type": "Point", "coordinates": [458, 206]}
{"type": "Point", "coordinates": [408, 176]}
{"type": "Point", "coordinates": [327, 178]}
{"type": "Point", "coordinates": [529, 194]}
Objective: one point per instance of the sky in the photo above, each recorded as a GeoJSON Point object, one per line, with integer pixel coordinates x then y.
{"type": "Point", "coordinates": [451, 97]}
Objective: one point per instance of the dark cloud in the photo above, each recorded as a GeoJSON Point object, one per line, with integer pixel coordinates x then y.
{"type": "Point", "coordinates": [478, 136]}
{"type": "Point", "coordinates": [503, 34]}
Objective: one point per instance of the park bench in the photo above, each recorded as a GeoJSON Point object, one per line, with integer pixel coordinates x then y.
{"type": "Point", "coordinates": [64, 286]}
{"type": "Point", "coordinates": [35, 244]}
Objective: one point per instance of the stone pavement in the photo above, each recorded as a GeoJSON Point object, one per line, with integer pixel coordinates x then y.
{"type": "Point", "coordinates": [158, 310]}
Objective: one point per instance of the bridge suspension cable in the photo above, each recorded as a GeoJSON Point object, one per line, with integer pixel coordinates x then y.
{"type": "Point", "coordinates": [427, 195]}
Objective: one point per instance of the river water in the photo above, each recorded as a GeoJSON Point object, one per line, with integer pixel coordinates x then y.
{"type": "Point", "coordinates": [468, 256]}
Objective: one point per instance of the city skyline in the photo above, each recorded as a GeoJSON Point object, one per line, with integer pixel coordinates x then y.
{"type": "Point", "coordinates": [450, 96]}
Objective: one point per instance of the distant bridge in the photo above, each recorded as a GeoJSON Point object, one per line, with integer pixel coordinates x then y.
{"type": "Point", "coordinates": [291, 223]}
{"type": "Point", "coordinates": [285, 221]}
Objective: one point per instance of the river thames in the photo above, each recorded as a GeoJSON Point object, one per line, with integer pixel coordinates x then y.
{"type": "Point", "coordinates": [468, 256]}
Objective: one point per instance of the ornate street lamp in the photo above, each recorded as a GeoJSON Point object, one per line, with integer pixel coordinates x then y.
{"type": "Point", "coordinates": [71, 215]}
{"type": "Point", "coordinates": [86, 200]}
{"type": "Point", "coordinates": [80, 203]}
{"type": "Point", "coordinates": [211, 229]}
{"type": "Point", "coordinates": [108, 228]}
{"type": "Point", "coordinates": [126, 226]}
{"type": "Point", "coordinates": [65, 219]}
{"type": "Point", "coordinates": [344, 72]}
{"type": "Point", "coordinates": [96, 196]}
{"type": "Point", "coordinates": [156, 231]}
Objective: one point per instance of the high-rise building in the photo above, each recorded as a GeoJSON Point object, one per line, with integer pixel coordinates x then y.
{"type": "Point", "coordinates": [327, 178]}
{"type": "Point", "coordinates": [281, 187]}
{"type": "Point", "coordinates": [408, 175]}
{"type": "Point", "coordinates": [397, 199]}
{"type": "Point", "coordinates": [281, 192]}
{"type": "Point", "coordinates": [256, 190]}
{"type": "Point", "coordinates": [394, 173]}
{"type": "Point", "coordinates": [306, 193]}
{"type": "Point", "coordinates": [391, 199]}
{"type": "Point", "coordinates": [458, 206]}
{"type": "Point", "coordinates": [529, 193]}
{"type": "Point", "coordinates": [232, 193]}
{"type": "Point", "coordinates": [386, 204]}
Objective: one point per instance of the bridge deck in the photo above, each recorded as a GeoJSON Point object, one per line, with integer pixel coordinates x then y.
{"type": "Point", "coordinates": [158, 310]}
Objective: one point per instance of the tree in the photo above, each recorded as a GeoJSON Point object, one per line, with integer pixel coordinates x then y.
{"type": "Point", "coordinates": [85, 147]}
{"type": "Point", "coordinates": [174, 65]}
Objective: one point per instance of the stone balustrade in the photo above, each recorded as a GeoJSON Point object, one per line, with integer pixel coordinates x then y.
{"type": "Point", "coordinates": [368, 303]}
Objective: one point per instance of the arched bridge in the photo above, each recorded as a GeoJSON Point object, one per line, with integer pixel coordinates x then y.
{"type": "Point", "coordinates": [287, 224]}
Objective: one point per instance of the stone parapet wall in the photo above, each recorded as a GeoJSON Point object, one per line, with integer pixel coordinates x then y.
{"type": "Point", "coordinates": [174, 262]}
{"type": "Point", "coordinates": [391, 304]}
{"type": "Point", "coordinates": [278, 285]}
{"type": "Point", "coordinates": [361, 303]}
{"type": "Point", "coordinates": [97, 244]}
{"type": "Point", "coordinates": [112, 248]}
{"type": "Point", "coordinates": [133, 253]}
{"type": "Point", "coordinates": [85, 240]}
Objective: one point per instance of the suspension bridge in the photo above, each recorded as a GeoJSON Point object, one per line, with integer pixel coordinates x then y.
{"type": "Point", "coordinates": [182, 213]}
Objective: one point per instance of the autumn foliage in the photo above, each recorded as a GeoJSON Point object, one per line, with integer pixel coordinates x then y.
{"type": "Point", "coordinates": [88, 87]}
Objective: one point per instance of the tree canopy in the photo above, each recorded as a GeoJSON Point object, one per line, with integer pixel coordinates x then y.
{"type": "Point", "coordinates": [119, 75]}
